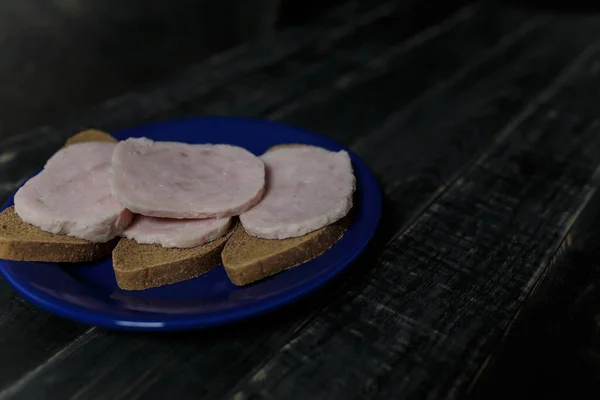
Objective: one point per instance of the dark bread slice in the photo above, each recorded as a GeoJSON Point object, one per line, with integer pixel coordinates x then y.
{"type": "Point", "coordinates": [142, 266]}
{"type": "Point", "coordinates": [248, 259]}
{"type": "Point", "coordinates": [90, 135]}
{"type": "Point", "coordinates": [21, 241]}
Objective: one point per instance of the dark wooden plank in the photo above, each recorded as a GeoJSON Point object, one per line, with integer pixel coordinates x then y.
{"type": "Point", "coordinates": [266, 93]}
{"type": "Point", "coordinates": [29, 336]}
{"type": "Point", "coordinates": [217, 69]}
{"type": "Point", "coordinates": [422, 320]}
{"type": "Point", "coordinates": [326, 77]}
{"type": "Point", "coordinates": [229, 355]}
{"type": "Point", "coordinates": [195, 81]}
{"type": "Point", "coordinates": [401, 123]}
{"type": "Point", "coordinates": [251, 80]}
{"type": "Point", "coordinates": [553, 346]}
{"type": "Point", "coordinates": [111, 365]}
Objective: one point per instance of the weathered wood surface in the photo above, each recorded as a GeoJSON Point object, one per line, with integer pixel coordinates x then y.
{"type": "Point", "coordinates": [483, 131]}
{"type": "Point", "coordinates": [553, 347]}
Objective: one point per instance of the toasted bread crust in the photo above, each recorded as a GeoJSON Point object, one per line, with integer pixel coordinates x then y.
{"type": "Point", "coordinates": [248, 259]}
{"type": "Point", "coordinates": [89, 135]}
{"type": "Point", "coordinates": [20, 241]}
{"type": "Point", "coordinates": [142, 266]}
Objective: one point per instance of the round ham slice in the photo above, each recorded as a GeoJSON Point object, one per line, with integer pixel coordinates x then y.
{"type": "Point", "coordinates": [178, 180]}
{"type": "Point", "coordinates": [72, 195]}
{"type": "Point", "coordinates": [180, 233]}
{"type": "Point", "coordinates": [307, 188]}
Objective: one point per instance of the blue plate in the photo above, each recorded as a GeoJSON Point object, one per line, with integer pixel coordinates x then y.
{"type": "Point", "coordinates": [88, 293]}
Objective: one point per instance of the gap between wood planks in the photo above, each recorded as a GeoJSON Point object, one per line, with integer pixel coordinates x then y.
{"type": "Point", "coordinates": [573, 68]}
{"type": "Point", "coordinates": [220, 68]}
{"type": "Point", "coordinates": [546, 268]}
{"type": "Point", "coordinates": [11, 390]}
{"type": "Point", "coordinates": [506, 131]}
{"type": "Point", "coordinates": [376, 67]}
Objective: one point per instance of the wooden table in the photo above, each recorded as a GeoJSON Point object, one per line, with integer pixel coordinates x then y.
{"type": "Point", "coordinates": [484, 131]}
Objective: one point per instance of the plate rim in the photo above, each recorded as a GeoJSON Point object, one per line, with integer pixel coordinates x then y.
{"type": "Point", "coordinates": [82, 314]}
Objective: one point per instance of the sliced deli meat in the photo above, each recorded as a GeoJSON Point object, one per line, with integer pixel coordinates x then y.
{"type": "Point", "coordinates": [307, 188]}
{"type": "Point", "coordinates": [81, 157]}
{"type": "Point", "coordinates": [178, 180]}
{"type": "Point", "coordinates": [72, 195]}
{"type": "Point", "coordinates": [180, 233]}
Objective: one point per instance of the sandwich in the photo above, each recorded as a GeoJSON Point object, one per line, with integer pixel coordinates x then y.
{"type": "Point", "coordinates": [168, 211]}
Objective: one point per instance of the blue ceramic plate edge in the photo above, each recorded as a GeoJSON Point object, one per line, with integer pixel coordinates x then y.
{"type": "Point", "coordinates": [82, 314]}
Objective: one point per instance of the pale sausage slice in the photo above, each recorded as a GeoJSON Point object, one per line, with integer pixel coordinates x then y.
{"type": "Point", "coordinates": [180, 233]}
{"type": "Point", "coordinates": [72, 195]}
{"type": "Point", "coordinates": [307, 188]}
{"type": "Point", "coordinates": [178, 180]}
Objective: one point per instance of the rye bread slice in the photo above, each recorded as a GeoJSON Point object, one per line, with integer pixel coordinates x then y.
{"type": "Point", "coordinates": [248, 259]}
{"type": "Point", "coordinates": [143, 266]}
{"type": "Point", "coordinates": [20, 241]}
{"type": "Point", "coordinates": [90, 135]}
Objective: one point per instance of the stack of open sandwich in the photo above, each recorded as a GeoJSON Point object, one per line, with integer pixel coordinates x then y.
{"type": "Point", "coordinates": [170, 211]}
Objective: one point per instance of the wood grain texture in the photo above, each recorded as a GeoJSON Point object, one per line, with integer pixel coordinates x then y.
{"type": "Point", "coordinates": [148, 103]}
{"type": "Point", "coordinates": [29, 336]}
{"type": "Point", "coordinates": [62, 57]}
{"type": "Point", "coordinates": [239, 75]}
{"type": "Point", "coordinates": [420, 321]}
{"type": "Point", "coordinates": [563, 308]}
